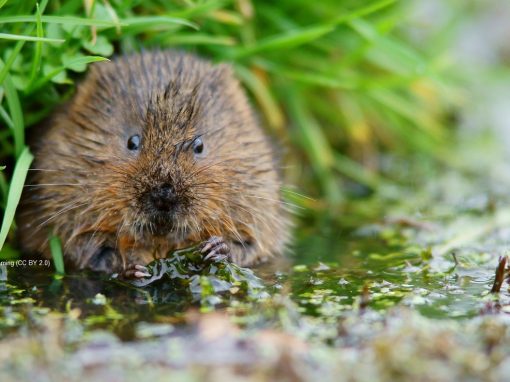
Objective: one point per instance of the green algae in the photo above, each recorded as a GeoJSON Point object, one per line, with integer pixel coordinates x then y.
{"type": "Point", "coordinates": [399, 284]}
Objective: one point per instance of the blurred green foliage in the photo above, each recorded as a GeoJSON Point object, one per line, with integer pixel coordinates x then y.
{"type": "Point", "coordinates": [332, 79]}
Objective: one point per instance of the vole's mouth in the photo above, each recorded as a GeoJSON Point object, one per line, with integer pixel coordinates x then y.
{"type": "Point", "coordinates": [163, 206]}
{"type": "Point", "coordinates": [162, 224]}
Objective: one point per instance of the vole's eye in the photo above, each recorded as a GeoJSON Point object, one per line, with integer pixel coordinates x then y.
{"type": "Point", "coordinates": [133, 142]}
{"type": "Point", "coordinates": [198, 146]}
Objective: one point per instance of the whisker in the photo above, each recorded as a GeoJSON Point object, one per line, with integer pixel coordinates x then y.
{"type": "Point", "coordinates": [288, 190]}
{"type": "Point", "coordinates": [54, 184]}
{"type": "Point", "coordinates": [63, 210]}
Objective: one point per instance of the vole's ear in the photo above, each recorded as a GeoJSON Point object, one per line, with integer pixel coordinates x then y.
{"type": "Point", "coordinates": [225, 76]}
{"type": "Point", "coordinates": [97, 80]}
{"type": "Point", "coordinates": [225, 70]}
{"type": "Point", "coordinates": [102, 72]}
{"type": "Point", "coordinates": [93, 76]}
{"type": "Point", "coordinates": [220, 77]}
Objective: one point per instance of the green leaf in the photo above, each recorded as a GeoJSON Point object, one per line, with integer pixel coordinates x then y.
{"type": "Point", "coordinates": [84, 60]}
{"type": "Point", "coordinates": [105, 11]}
{"type": "Point", "coordinates": [101, 47]}
{"type": "Point", "coordinates": [8, 36]}
{"type": "Point", "coordinates": [71, 64]}
{"type": "Point", "coordinates": [155, 21]}
{"type": "Point", "coordinates": [59, 78]}
{"type": "Point", "coordinates": [15, 189]}
{"type": "Point", "coordinates": [57, 254]}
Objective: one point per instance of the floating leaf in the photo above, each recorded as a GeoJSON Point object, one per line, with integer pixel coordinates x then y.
{"type": "Point", "coordinates": [186, 270]}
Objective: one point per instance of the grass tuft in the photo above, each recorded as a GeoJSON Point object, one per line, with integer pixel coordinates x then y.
{"type": "Point", "coordinates": [338, 82]}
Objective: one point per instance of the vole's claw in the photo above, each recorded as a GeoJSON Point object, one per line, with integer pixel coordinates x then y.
{"type": "Point", "coordinates": [135, 271]}
{"type": "Point", "coordinates": [210, 255]}
{"type": "Point", "coordinates": [213, 241]}
{"type": "Point", "coordinates": [215, 249]}
{"type": "Point", "coordinates": [215, 256]}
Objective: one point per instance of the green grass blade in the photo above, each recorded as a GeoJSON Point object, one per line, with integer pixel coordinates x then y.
{"type": "Point", "coordinates": [200, 9]}
{"type": "Point", "coordinates": [84, 60]}
{"type": "Point", "coordinates": [15, 189]}
{"type": "Point", "coordinates": [64, 20]}
{"type": "Point", "coordinates": [313, 77]}
{"type": "Point", "coordinates": [19, 45]}
{"type": "Point", "coordinates": [196, 39]}
{"type": "Point", "coordinates": [388, 52]}
{"type": "Point", "coordinates": [36, 63]}
{"type": "Point", "coordinates": [364, 11]}
{"type": "Point", "coordinates": [315, 144]}
{"type": "Point", "coordinates": [68, 64]}
{"type": "Point", "coordinates": [287, 40]}
{"type": "Point", "coordinates": [263, 95]}
{"type": "Point", "coordinates": [8, 36]}
{"type": "Point", "coordinates": [8, 63]}
{"type": "Point", "coordinates": [2, 3]}
{"type": "Point", "coordinates": [16, 115]}
{"type": "Point", "coordinates": [9, 253]}
{"type": "Point", "coordinates": [17, 49]}
{"type": "Point", "coordinates": [408, 110]}
{"type": "Point", "coordinates": [4, 186]}
{"type": "Point", "coordinates": [5, 116]}
{"type": "Point", "coordinates": [155, 21]}
{"type": "Point", "coordinates": [57, 254]}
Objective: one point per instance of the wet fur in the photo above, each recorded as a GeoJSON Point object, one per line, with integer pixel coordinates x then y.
{"type": "Point", "coordinates": [88, 188]}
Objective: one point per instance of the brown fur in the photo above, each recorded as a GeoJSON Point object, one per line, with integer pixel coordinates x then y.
{"type": "Point", "coordinates": [88, 188]}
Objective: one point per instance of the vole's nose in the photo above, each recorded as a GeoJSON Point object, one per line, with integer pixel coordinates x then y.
{"type": "Point", "coordinates": [163, 198]}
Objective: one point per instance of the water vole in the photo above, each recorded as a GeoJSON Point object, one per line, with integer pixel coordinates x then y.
{"type": "Point", "coordinates": [156, 151]}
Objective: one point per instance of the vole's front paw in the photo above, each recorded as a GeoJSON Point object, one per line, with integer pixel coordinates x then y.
{"type": "Point", "coordinates": [134, 271]}
{"type": "Point", "coordinates": [215, 249]}
{"type": "Point", "coordinates": [105, 259]}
